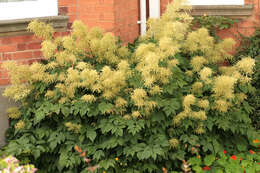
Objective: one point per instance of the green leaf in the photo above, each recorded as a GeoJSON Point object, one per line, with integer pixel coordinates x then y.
{"type": "Point", "coordinates": [135, 126]}
{"type": "Point", "coordinates": [103, 107]}
{"type": "Point", "coordinates": [219, 171]}
{"type": "Point", "coordinates": [36, 154]}
{"type": "Point", "coordinates": [145, 154]}
{"type": "Point", "coordinates": [208, 160]}
{"type": "Point", "coordinates": [56, 108]}
{"type": "Point", "coordinates": [197, 169]}
{"type": "Point", "coordinates": [62, 161]}
{"type": "Point", "coordinates": [107, 163]}
{"type": "Point", "coordinates": [39, 116]}
{"type": "Point", "coordinates": [98, 155]}
{"type": "Point", "coordinates": [194, 161]}
{"type": "Point", "coordinates": [91, 134]}
{"type": "Point", "coordinates": [65, 111]}
{"type": "Point", "coordinates": [53, 145]}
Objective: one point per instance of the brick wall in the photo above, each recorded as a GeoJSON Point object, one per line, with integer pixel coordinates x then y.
{"type": "Point", "coordinates": [99, 13]}
{"type": "Point", "coordinates": [69, 8]}
{"type": "Point", "coordinates": [23, 49]}
{"type": "Point", "coordinates": [116, 16]}
{"type": "Point", "coordinates": [126, 17]}
{"type": "Point", "coordinates": [245, 26]}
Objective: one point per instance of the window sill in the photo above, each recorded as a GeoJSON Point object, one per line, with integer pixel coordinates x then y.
{"type": "Point", "coordinates": [232, 11]}
{"type": "Point", "coordinates": [19, 26]}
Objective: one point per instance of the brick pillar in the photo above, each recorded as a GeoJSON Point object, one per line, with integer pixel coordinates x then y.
{"type": "Point", "coordinates": [116, 16]}
{"type": "Point", "coordinates": [97, 13]}
{"type": "Point", "coordinates": [126, 17]}
{"type": "Point", "coordinates": [69, 8]}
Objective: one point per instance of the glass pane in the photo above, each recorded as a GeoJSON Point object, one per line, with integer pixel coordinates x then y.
{"type": "Point", "coordinates": [15, 0]}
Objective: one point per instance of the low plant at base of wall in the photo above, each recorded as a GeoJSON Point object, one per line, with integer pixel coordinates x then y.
{"type": "Point", "coordinates": [11, 165]}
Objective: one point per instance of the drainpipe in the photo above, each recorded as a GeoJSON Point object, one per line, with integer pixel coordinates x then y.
{"type": "Point", "coordinates": [154, 12]}
{"type": "Point", "coordinates": [142, 20]}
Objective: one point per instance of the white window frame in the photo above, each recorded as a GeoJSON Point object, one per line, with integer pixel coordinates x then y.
{"type": "Point", "coordinates": [216, 2]}
{"type": "Point", "coordinates": [28, 9]}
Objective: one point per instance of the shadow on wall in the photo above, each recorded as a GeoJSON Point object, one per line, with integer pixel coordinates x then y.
{"type": "Point", "coordinates": [4, 104]}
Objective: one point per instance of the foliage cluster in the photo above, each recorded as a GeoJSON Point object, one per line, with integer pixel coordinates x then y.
{"type": "Point", "coordinates": [150, 106]}
{"type": "Point", "coordinates": [250, 45]}
{"type": "Point", "coordinates": [214, 24]}
{"type": "Point", "coordinates": [11, 165]}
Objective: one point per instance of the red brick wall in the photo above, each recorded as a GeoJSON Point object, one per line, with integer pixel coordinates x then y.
{"type": "Point", "coordinates": [25, 49]}
{"type": "Point", "coordinates": [97, 13]}
{"type": "Point", "coordinates": [126, 17]}
{"type": "Point", "coordinates": [69, 8]}
{"type": "Point", "coordinates": [245, 26]}
{"type": "Point", "coordinates": [116, 16]}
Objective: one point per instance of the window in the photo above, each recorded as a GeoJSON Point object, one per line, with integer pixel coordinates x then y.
{"type": "Point", "coordinates": [216, 2]}
{"type": "Point", "coordinates": [21, 9]}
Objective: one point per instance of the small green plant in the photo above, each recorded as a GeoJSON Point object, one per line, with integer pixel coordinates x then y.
{"type": "Point", "coordinates": [223, 162]}
{"type": "Point", "coordinates": [11, 165]}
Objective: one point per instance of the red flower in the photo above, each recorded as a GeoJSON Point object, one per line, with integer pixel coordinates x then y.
{"type": "Point", "coordinates": [233, 157]}
{"type": "Point", "coordinates": [225, 151]}
{"type": "Point", "coordinates": [206, 168]}
{"type": "Point", "coordinates": [258, 163]}
{"type": "Point", "coordinates": [256, 141]}
{"type": "Point", "coordinates": [251, 152]}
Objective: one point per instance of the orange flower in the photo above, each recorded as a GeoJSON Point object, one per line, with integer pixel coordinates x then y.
{"type": "Point", "coordinates": [256, 141]}
{"type": "Point", "coordinates": [78, 149]}
{"type": "Point", "coordinates": [164, 170]}
{"type": "Point", "coordinates": [116, 158]}
{"type": "Point", "coordinates": [206, 168]}
{"type": "Point", "coordinates": [198, 157]}
{"type": "Point", "coordinates": [233, 157]}
{"type": "Point", "coordinates": [251, 152]}
{"type": "Point", "coordinates": [83, 154]}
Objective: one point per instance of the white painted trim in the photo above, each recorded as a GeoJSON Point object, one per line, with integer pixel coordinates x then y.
{"type": "Point", "coordinates": [154, 8]}
{"type": "Point", "coordinates": [142, 21]}
{"type": "Point", "coordinates": [28, 9]}
{"type": "Point", "coordinates": [216, 2]}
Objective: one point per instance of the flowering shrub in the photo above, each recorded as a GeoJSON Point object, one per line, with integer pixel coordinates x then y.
{"type": "Point", "coordinates": [11, 165]}
{"type": "Point", "coordinates": [149, 106]}
{"type": "Point", "coordinates": [250, 46]}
